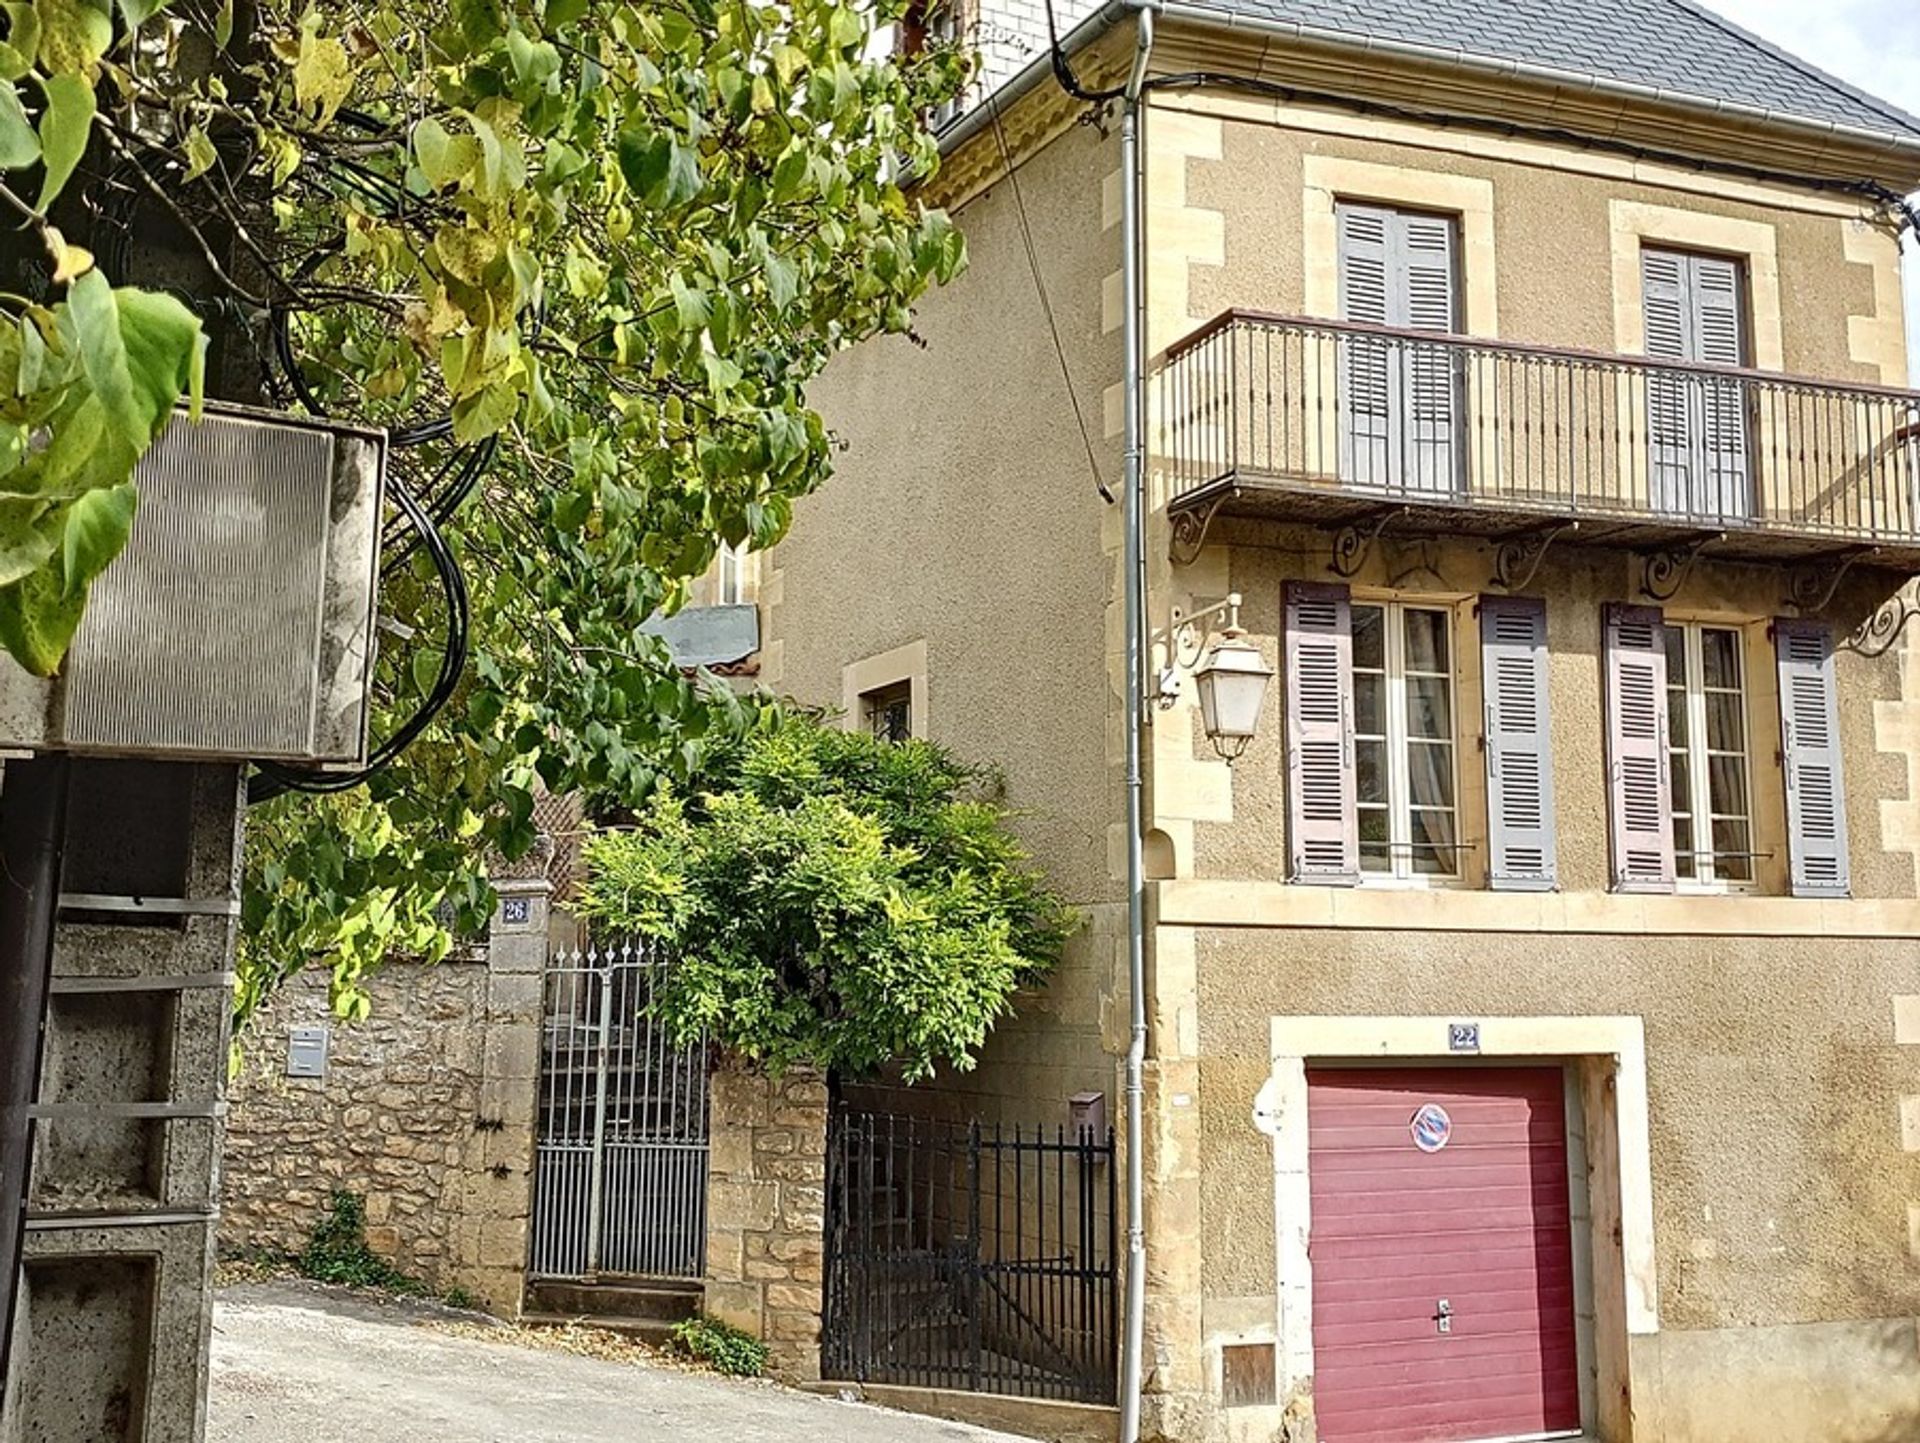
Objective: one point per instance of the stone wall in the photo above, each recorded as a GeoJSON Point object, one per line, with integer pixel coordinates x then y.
{"type": "Point", "coordinates": [766, 1211]}
{"type": "Point", "coordinates": [426, 1109]}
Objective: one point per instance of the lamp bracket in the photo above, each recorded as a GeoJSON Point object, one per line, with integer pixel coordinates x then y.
{"type": "Point", "coordinates": [1186, 637]}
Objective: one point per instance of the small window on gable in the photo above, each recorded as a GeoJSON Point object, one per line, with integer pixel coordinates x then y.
{"type": "Point", "coordinates": [887, 712]}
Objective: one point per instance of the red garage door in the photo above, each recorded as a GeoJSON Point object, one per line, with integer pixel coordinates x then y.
{"type": "Point", "coordinates": [1442, 1258]}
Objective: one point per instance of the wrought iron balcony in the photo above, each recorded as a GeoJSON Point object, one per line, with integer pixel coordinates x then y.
{"type": "Point", "coordinates": [1364, 426]}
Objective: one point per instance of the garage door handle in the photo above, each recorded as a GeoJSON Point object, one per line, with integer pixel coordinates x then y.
{"type": "Point", "coordinates": [1443, 1316]}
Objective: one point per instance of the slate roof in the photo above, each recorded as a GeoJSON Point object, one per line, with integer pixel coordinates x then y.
{"type": "Point", "coordinates": [1672, 46]}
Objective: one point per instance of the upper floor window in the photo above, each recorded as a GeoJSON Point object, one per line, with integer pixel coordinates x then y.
{"type": "Point", "coordinates": [887, 712]}
{"type": "Point", "coordinates": [730, 576]}
{"type": "Point", "coordinates": [1400, 400]}
{"type": "Point", "coordinates": [1698, 461]}
{"type": "Point", "coordinates": [1406, 790]}
{"type": "Point", "coordinates": [1707, 754]}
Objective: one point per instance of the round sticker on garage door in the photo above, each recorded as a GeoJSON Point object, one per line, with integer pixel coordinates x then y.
{"type": "Point", "coordinates": [1431, 1127]}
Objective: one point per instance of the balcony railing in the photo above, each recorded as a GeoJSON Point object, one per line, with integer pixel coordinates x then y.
{"type": "Point", "coordinates": [1318, 420]}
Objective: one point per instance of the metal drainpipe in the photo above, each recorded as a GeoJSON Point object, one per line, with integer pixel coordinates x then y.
{"type": "Point", "coordinates": [1133, 522]}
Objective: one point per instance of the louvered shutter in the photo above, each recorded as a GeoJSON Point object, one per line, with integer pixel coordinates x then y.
{"type": "Point", "coordinates": [1424, 270]}
{"type": "Point", "coordinates": [1323, 828]}
{"type": "Point", "coordinates": [1810, 755]}
{"type": "Point", "coordinates": [1670, 431]}
{"type": "Point", "coordinates": [1638, 797]}
{"type": "Point", "coordinates": [1520, 824]}
{"type": "Point", "coordinates": [1715, 290]}
{"type": "Point", "coordinates": [1366, 366]}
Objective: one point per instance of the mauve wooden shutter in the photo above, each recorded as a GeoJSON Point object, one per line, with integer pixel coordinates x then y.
{"type": "Point", "coordinates": [1513, 667]}
{"type": "Point", "coordinates": [1323, 828]}
{"type": "Point", "coordinates": [1810, 755]}
{"type": "Point", "coordinates": [1424, 270]}
{"type": "Point", "coordinates": [1639, 802]}
{"type": "Point", "coordinates": [1367, 367]}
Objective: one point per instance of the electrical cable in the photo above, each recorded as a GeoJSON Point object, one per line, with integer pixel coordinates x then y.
{"type": "Point", "coordinates": [1063, 72]}
{"type": "Point", "coordinates": [273, 778]}
{"type": "Point", "coordinates": [1046, 304]}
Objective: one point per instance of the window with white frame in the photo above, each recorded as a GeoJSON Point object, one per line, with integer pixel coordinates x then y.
{"type": "Point", "coordinates": [730, 584]}
{"type": "Point", "coordinates": [1707, 754]}
{"type": "Point", "coordinates": [1406, 775]}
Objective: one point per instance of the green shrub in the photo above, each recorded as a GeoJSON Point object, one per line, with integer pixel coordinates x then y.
{"type": "Point", "coordinates": [721, 1346]}
{"type": "Point", "coordinates": [337, 1251]}
{"type": "Point", "coordinates": [828, 898]}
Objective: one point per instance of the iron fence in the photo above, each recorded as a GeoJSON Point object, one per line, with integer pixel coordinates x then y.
{"type": "Point", "coordinates": [971, 1256]}
{"type": "Point", "coordinates": [1419, 416]}
{"type": "Point", "coordinates": [620, 1152]}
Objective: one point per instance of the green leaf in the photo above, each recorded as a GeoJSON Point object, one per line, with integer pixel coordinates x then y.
{"type": "Point", "coordinates": [562, 13]}
{"type": "Point", "coordinates": [223, 25]}
{"type": "Point", "coordinates": [97, 528]}
{"type": "Point", "coordinates": [200, 153]}
{"type": "Point", "coordinates": [19, 146]}
{"type": "Point", "coordinates": [38, 618]}
{"type": "Point", "coordinates": [164, 348]}
{"type": "Point", "coordinates": [138, 12]}
{"type": "Point", "coordinates": [74, 35]}
{"type": "Point", "coordinates": [64, 128]}
{"type": "Point", "coordinates": [322, 74]}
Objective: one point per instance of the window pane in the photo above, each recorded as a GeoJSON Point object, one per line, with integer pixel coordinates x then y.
{"type": "Point", "coordinates": [1720, 657]}
{"type": "Point", "coordinates": [1727, 786]}
{"type": "Point", "coordinates": [1676, 656]}
{"type": "Point", "coordinates": [1429, 707]}
{"type": "Point", "coordinates": [1677, 715]}
{"type": "Point", "coordinates": [1370, 771]}
{"type": "Point", "coordinates": [1683, 845]}
{"type": "Point", "coordinates": [1730, 840]}
{"type": "Point", "coordinates": [1369, 637]}
{"type": "Point", "coordinates": [1430, 775]}
{"type": "Point", "coordinates": [1426, 640]}
{"type": "Point", "coordinates": [1373, 840]}
{"type": "Point", "coordinates": [1682, 776]}
{"type": "Point", "coordinates": [1433, 852]}
{"type": "Point", "coordinates": [1726, 731]}
{"type": "Point", "coordinates": [1370, 705]}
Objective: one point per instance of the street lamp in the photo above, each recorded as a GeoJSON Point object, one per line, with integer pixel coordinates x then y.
{"type": "Point", "coordinates": [1230, 676]}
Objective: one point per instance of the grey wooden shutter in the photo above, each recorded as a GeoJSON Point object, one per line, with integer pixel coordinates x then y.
{"type": "Point", "coordinates": [1323, 827]}
{"type": "Point", "coordinates": [1430, 375]}
{"type": "Point", "coordinates": [1718, 340]}
{"type": "Point", "coordinates": [1366, 366]}
{"type": "Point", "coordinates": [1639, 801]}
{"type": "Point", "coordinates": [1513, 666]}
{"type": "Point", "coordinates": [1810, 755]}
{"type": "Point", "coordinates": [1663, 294]}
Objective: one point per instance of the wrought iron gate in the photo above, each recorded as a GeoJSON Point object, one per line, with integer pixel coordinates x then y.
{"type": "Point", "coordinates": [620, 1170]}
{"type": "Point", "coordinates": [970, 1256]}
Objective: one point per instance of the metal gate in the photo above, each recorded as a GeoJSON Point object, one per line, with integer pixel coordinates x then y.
{"type": "Point", "coordinates": [620, 1160]}
{"type": "Point", "coordinates": [970, 1256]}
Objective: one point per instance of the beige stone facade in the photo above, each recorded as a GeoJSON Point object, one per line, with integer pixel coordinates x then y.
{"type": "Point", "coordinates": [425, 1109]}
{"type": "Point", "coordinates": [1743, 1064]}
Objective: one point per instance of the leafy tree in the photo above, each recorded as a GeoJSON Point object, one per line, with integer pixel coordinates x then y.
{"type": "Point", "coordinates": [832, 899]}
{"type": "Point", "coordinates": [583, 256]}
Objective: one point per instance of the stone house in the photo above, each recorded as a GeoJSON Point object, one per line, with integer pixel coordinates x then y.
{"type": "Point", "coordinates": [1533, 1013]}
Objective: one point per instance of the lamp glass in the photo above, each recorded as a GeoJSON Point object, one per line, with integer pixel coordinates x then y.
{"type": "Point", "coordinates": [1232, 685]}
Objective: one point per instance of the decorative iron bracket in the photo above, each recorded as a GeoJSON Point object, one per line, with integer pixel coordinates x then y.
{"type": "Point", "coordinates": [1666, 571]}
{"type": "Point", "coordinates": [1190, 527]}
{"type": "Point", "coordinates": [1518, 560]}
{"type": "Point", "coordinates": [1354, 542]}
{"type": "Point", "coordinates": [1876, 635]}
{"type": "Point", "coordinates": [1812, 588]}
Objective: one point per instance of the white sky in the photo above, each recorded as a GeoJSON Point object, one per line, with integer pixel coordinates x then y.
{"type": "Point", "coordinates": [1873, 44]}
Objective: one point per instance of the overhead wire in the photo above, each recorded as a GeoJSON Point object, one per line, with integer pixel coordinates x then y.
{"type": "Point", "coordinates": [1046, 303]}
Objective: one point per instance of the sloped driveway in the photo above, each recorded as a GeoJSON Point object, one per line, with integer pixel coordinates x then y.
{"type": "Point", "coordinates": [296, 1364]}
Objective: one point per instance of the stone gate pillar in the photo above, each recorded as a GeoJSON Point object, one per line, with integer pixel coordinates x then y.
{"type": "Point", "coordinates": [766, 1210]}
